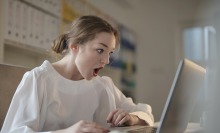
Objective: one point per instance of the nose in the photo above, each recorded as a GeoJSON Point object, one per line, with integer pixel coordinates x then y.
{"type": "Point", "coordinates": [105, 59]}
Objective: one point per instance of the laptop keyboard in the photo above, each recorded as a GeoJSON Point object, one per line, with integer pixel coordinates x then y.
{"type": "Point", "coordinates": [144, 130]}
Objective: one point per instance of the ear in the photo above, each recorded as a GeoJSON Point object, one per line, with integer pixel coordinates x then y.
{"type": "Point", "coordinates": [74, 47]}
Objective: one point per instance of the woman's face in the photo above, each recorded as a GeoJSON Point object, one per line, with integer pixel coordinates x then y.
{"type": "Point", "coordinates": [95, 54]}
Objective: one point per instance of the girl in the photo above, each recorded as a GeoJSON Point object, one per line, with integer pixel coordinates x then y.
{"type": "Point", "coordinates": [68, 96]}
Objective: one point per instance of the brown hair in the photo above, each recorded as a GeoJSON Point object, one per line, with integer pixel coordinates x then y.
{"type": "Point", "coordinates": [83, 29]}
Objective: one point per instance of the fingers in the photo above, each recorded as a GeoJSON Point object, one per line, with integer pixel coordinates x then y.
{"type": "Point", "coordinates": [111, 115]}
{"type": "Point", "coordinates": [93, 129]}
{"type": "Point", "coordinates": [90, 127]}
{"type": "Point", "coordinates": [118, 117]}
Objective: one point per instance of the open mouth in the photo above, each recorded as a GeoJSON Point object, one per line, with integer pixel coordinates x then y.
{"type": "Point", "coordinates": [96, 71]}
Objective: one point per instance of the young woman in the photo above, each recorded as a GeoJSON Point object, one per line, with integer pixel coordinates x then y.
{"type": "Point", "coordinates": [68, 96]}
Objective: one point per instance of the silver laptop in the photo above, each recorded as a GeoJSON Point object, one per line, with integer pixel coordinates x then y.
{"type": "Point", "coordinates": [187, 84]}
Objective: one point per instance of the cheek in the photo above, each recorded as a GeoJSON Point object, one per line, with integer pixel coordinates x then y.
{"type": "Point", "coordinates": [86, 61]}
{"type": "Point", "coordinates": [92, 57]}
{"type": "Point", "coordinates": [91, 61]}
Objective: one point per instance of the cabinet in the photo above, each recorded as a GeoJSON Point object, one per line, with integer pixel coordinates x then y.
{"type": "Point", "coordinates": [27, 28]}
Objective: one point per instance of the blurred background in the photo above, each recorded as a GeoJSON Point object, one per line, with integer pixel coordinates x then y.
{"type": "Point", "coordinates": [155, 36]}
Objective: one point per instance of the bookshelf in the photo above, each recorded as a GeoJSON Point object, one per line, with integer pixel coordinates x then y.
{"type": "Point", "coordinates": [27, 29]}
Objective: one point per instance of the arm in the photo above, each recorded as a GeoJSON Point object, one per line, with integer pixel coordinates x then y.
{"type": "Point", "coordinates": [24, 111]}
{"type": "Point", "coordinates": [120, 117]}
{"type": "Point", "coordinates": [84, 127]}
{"type": "Point", "coordinates": [140, 113]}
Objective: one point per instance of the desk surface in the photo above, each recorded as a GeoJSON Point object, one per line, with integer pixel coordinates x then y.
{"type": "Point", "coordinates": [191, 128]}
{"type": "Point", "coordinates": [194, 128]}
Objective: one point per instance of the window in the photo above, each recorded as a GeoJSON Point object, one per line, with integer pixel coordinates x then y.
{"type": "Point", "coordinates": [198, 42]}
{"type": "Point", "coordinates": [199, 45]}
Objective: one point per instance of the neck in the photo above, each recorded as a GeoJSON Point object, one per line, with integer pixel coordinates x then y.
{"type": "Point", "coordinates": [67, 69]}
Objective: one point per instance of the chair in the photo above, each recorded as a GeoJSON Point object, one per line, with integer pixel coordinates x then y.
{"type": "Point", "coordinates": [10, 77]}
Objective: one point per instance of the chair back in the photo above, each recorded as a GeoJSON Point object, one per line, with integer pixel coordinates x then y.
{"type": "Point", "coordinates": [10, 77]}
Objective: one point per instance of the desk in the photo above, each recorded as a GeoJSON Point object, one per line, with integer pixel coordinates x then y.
{"type": "Point", "coordinates": [194, 128]}
{"type": "Point", "coordinates": [191, 128]}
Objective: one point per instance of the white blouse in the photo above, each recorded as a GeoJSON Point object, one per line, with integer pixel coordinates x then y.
{"type": "Point", "coordinates": [45, 101]}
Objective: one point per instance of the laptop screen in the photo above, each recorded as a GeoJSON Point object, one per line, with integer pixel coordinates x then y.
{"type": "Point", "coordinates": [188, 82]}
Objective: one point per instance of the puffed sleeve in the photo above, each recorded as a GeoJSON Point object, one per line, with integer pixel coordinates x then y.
{"type": "Point", "coordinates": [143, 111]}
{"type": "Point", "coordinates": [24, 112]}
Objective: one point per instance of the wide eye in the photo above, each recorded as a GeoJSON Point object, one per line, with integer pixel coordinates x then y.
{"type": "Point", "coordinates": [100, 51]}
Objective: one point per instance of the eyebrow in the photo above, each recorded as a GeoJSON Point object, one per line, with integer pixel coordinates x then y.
{"type": "Point", "coordinates": [105, 45]}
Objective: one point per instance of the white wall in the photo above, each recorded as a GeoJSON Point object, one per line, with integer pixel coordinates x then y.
{"type": "Point", "coordinates": [156, 25]}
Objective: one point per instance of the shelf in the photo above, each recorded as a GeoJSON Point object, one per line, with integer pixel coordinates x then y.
{"type": "Point", "coordinates": [27, 48]}
{"type": "Point", "coordinates": [38, 7]}
{"type": "Point", "coordinates": [26, 55]}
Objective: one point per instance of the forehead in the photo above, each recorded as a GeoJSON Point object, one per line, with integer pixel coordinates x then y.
{"type": "Point", "coordinates": [105, 39]}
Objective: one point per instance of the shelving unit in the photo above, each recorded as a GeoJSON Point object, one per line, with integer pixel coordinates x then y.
{"type": "Point", "coordinates": [27, 29]}
{"type": "Point", "coordinates": [127, 61]}
{"type": "Point", "coordinates": [21, 54]}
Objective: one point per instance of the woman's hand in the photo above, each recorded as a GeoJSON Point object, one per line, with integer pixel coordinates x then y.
{"type": "Point", "coordinates": [84, 127]}
{"type": "Point", "coordinates": [120, 117]}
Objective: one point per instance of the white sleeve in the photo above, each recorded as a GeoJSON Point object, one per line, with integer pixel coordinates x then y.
{"type": "Point", "coordinates": [23, 115]}
{"type": "Point", "coordinates": [143, 111]}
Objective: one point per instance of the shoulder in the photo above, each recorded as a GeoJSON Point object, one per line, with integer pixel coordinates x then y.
{"type": "Point", "coordinates": [102, 82]}
{"type": "Point", "coordinates": [35, 79]}
{"type": "Point", "coordinates": [40, 72]}
{"type": "Point", "coordinates": [107, 79]}
{"type": "Point", "coordinates": [103, 79]}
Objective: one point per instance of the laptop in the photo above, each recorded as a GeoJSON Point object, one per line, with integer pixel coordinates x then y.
{"type": "Point", "coordinates": [186, 86]}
